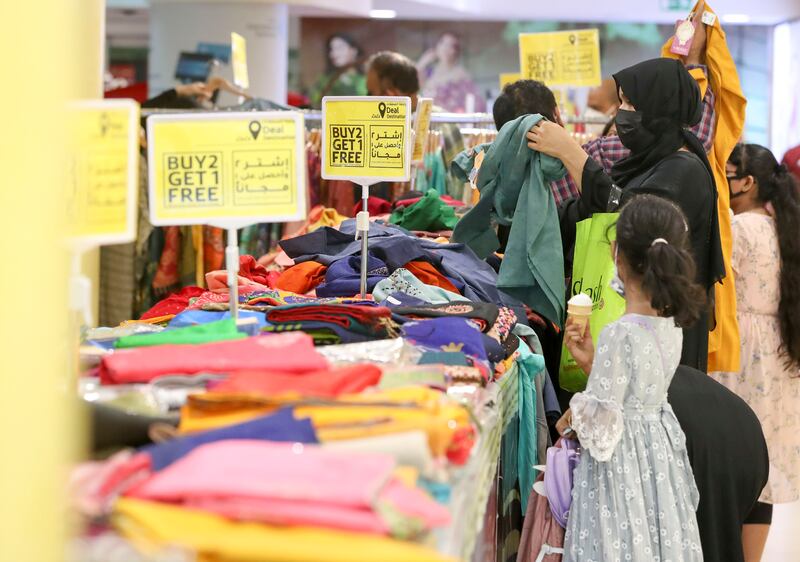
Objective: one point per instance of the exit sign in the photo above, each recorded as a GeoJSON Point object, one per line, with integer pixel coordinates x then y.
{"type": "Point", "coordinates": [676, 5]}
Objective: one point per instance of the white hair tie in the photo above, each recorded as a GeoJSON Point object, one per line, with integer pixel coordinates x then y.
{"type": "Point", "coordinates": [658, 241]}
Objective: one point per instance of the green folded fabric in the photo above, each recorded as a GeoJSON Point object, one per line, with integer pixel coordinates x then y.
{"type": "Point", "coordinates": [221, 330]}
{"type": "Point", "coordinates": [514, 182]}
{"type": "Point", "coordinates": [429, 213]}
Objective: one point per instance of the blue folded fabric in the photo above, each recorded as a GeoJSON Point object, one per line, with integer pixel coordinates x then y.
{"type": "Point", "coordinates": [195, 317]}
{"type": "Point", "coordinates": [280, 426]}
{"type": "Point", "coordinates": [447, 334]}
{"type": "Point", "coordinates": [343, 278]}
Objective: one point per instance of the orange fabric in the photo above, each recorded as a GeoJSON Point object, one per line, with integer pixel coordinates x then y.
{"type": "Point", "coordinates": [723, 342]}
{"type": "Point", "coordinates": [302, 277]}
{"type": "Point", "coordinates": [429, 275]}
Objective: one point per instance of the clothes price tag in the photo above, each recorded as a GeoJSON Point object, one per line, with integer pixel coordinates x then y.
{"type": "Point", "coordinates": [239, 61]}
{"type": "Point", "coordinates": [226, 169]}
{"type": "Point", "coordinates": [422, 124]}
{"type": "Point", "coordinates": [366, 139]}
{"type": "Point", "coordinates": [103, 175]}
{"type": "Point", "coordinates": [561, 58]}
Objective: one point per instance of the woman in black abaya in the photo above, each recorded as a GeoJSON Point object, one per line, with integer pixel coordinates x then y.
{"type": "Point", "coordinates": [659, 100]}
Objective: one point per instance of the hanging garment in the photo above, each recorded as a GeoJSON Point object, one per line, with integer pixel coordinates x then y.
{"type": "Point", "coordinates": [429, 213]}
{"type": "Point", "coordinates": [213, 248]}
{"type": "Point", "coordinates": [515, 190]}
{"type": "Point", "coordinates": [287, 352]}
{"type": "Point", "coordinates": [723, 342]}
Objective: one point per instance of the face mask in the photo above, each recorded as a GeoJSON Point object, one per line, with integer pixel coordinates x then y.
{"type": "Point", "coordinates": [631, 131]}
{"type": "Point", "coordinates": [616, 284]}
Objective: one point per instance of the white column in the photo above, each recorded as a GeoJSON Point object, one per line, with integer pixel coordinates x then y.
{"type": "Point", "coordinates": [178, 25]}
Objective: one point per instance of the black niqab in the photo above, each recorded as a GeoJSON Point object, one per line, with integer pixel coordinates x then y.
{"type": "Point", "coordinates": [668, 98]}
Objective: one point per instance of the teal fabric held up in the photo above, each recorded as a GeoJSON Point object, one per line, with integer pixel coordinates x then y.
{"type": "Point", "coordinates": [514, 182]}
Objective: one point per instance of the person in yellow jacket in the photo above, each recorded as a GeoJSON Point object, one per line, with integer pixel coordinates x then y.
{"type": "Point", "coordinates": [723, 343]}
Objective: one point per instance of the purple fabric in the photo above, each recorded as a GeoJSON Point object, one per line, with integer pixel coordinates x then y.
{"type": "Point", "coordinates": [561, 462]}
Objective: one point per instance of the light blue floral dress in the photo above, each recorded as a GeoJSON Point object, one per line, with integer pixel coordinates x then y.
{"type": "Point", "coordinates": [634, 495]}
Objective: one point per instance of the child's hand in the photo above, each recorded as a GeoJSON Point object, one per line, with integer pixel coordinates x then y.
{"type": "Point", "coordinates": [580, 345]}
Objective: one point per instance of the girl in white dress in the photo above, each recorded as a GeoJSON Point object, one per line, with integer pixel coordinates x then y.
{"type": "Point", "coordinates": [634, 495]}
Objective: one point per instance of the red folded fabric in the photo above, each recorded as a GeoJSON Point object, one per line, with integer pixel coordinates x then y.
{"type": "Point", "coordinates": [324, 384]}
{"type": "Point", "coordinates": [340, 314]}
{"type": "Point", "coordinates": [250, 269]}
{"type": "Point", "coordinates": [291, 352]}
{"type": "Point", "coordinates": [375, 206]}
{"type": "Point", "coordinates": [173, 304]}
{"type": "Point", "coordinates": [414, 200]}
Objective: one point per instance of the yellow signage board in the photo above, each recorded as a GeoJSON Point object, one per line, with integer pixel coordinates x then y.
{"type": "Point", "coordinates": [366, 139]}
{"type": "Point", "coordinates": [509, 78]}
{"type": "Point", "coordinates": [103, 176]}
{"type": "Point", "coordinates": [422, 125]}
{"type": "Point", "coordinates": [239, 61]}
{"type": "Point", "coordinates": [561, 58]}
{"type": "Point", "coordinates": [226, 169]}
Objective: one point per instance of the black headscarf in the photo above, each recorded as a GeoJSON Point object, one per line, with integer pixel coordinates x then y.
{"type": "Point", "coordinates": [668, 98]}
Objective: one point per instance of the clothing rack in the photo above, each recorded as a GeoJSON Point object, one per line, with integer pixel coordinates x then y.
{"type": "Point", "coordinates": [454, 118]}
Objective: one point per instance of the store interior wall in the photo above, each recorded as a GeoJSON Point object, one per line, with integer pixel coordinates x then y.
{"type": "Point", "coordinates": [490, 48]}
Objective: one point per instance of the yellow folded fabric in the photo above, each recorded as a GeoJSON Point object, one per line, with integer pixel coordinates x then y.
{"type": "Point", "coordinates": [351, 417]}
{"type": "Point", "coordinates": [151, 526]}
{"type": "Point", "coordinates": [723, 342]}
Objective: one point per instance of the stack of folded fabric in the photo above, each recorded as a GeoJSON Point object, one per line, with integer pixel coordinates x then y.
{"type": "Point", "coordinates": [333, 323]}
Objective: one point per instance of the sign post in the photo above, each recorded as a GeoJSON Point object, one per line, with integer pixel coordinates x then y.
{"type": "Point", "coordinates": [103, 184]}
{"type": "Point", "coordinates": [561, 58]}
{"type": "Point", "coordinates": [366, 140]}
{"type": "Point", "coordinates": [228, 170]}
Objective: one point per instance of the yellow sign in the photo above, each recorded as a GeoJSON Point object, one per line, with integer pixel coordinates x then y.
{"type": "Point", "coordinates": [509, 78]}
{"type": "Point", "coordinates": [366, 139]}
{"type": "Point", "coordinates": [226, 169]}
{"type": "Point", "coordinates": [561, 58]}
{"type": "Point", "coordinates": [422, 124]}
{"type": "Point", "coordinates": [239, 61]}
{"type": "Point", "coordinates": [103, 172]}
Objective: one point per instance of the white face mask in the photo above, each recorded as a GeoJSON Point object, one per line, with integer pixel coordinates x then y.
{"type": "Point", "coordinates": [616, 283]}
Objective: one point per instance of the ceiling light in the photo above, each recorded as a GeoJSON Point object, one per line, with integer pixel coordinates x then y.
{"type": "Point", "coordinates": [382, 14]}
{"type": "Point", "coordinates": [736, 18]}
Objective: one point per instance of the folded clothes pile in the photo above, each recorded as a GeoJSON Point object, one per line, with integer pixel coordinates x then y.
{"type": "Point", "coordinates": [333, 323]}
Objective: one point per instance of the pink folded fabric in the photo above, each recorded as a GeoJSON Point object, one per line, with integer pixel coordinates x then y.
{"type": "Point", "coordinates": [290, 353]}
{"type": "Point", "coordinates": [294, 484]}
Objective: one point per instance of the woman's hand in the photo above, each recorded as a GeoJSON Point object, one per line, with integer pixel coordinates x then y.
{"type": "Point", "coordinates": [551, 139]}
{"type": "Point", "coordinates": [580, 345]}
{"type": "Point", "coordinates": [564, 426]}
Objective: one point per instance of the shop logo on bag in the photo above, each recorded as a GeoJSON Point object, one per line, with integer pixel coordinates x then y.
{"type": "Point", "coordinates": [595, 293]}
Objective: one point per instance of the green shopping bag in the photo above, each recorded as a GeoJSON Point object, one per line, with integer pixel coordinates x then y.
{"type": "Point", "coordinates": [593, 268]}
